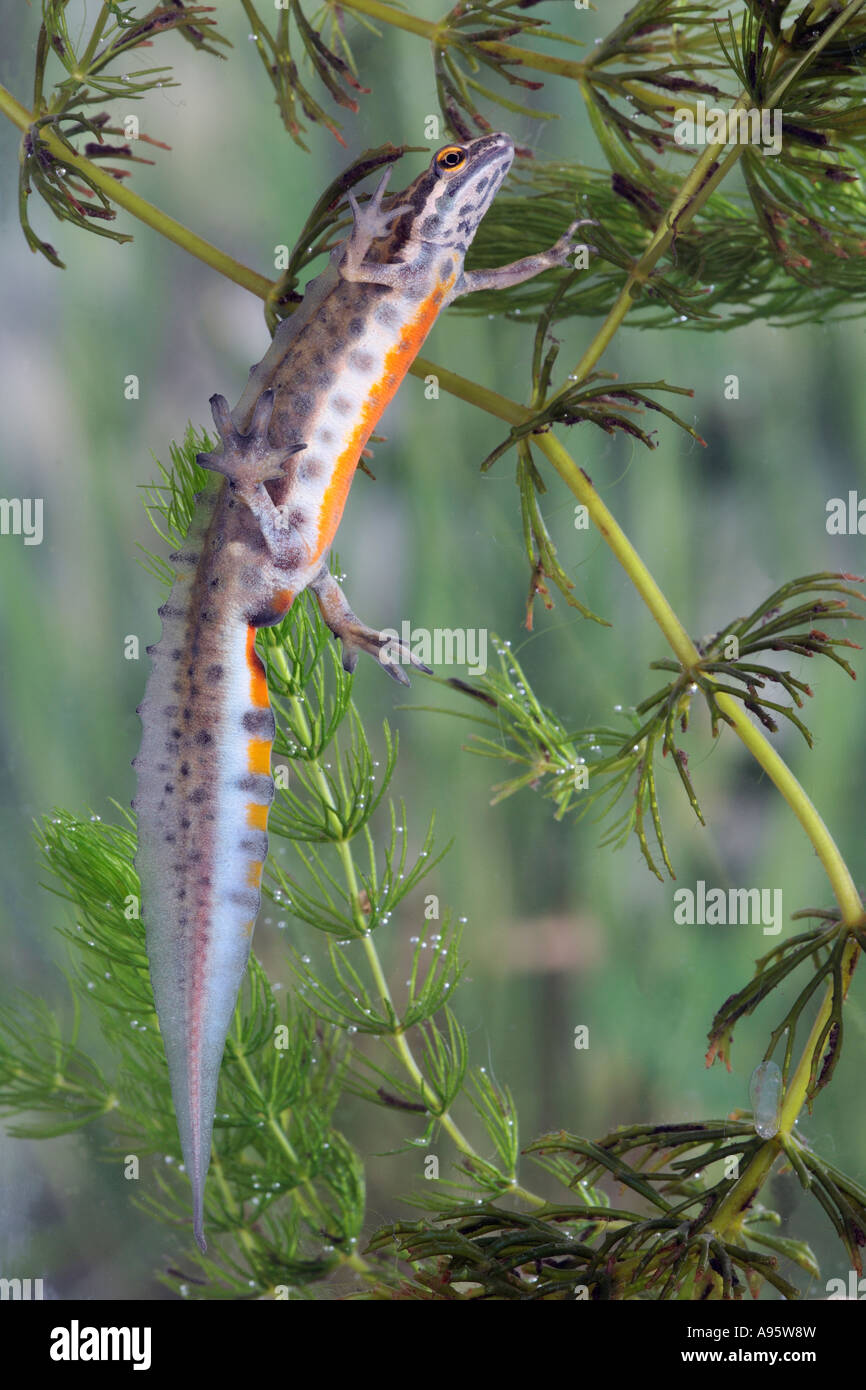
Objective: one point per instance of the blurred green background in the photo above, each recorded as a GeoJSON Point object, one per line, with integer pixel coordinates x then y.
{"type": "Point", "coordinates": [559, 931]}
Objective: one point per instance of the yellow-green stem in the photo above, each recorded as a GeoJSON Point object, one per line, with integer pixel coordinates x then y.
{"type": "Point", "coordinates": [138, 207]}
{"type": "Point", "coordinates": [353, 1260]}
{"type": "Point", "coordinates": [684, 648]}
{"type": "Point", "coordinates": [736, 1203]}
{"type": "Point", "coordinates": [703, 180]}
{"type": "Point", "coordinates": [344, 850]}
{"type": "Point", "coordinates": [511, 53]}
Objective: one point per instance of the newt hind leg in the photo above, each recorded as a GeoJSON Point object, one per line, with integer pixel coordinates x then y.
{"type": "Point", "coordinates": [389, 651]}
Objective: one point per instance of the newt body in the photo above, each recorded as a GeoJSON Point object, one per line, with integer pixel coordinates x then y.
{"type": "Point", "coordinates": [259, 537]}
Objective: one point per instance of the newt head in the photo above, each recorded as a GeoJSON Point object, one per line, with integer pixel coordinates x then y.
{"type": "Point", "coordinates": [446, 203]}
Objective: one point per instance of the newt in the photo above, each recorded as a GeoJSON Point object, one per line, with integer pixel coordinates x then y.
{"type": "Point", "coordinates": [259, 537]}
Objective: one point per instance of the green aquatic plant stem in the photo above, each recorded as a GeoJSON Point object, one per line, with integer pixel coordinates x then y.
{"type": "Point", "coordinates": [708, 172]}
{"type": "Point", "coordinates": [136, 206]}
{"type": "Point", "coordinates": [734, 1206]}
{"type": "Point", "coordinates": [683, 647]}
{"type": "Point", "coordinates": [554, 66]}
{"type": "Point", "coordinates": [351, 1260]}
{"type": "Point", "coordinates": [347, 862]}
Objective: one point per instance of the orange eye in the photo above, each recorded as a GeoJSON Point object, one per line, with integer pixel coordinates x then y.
{"type": "Point", "coordinates": [450, 158]}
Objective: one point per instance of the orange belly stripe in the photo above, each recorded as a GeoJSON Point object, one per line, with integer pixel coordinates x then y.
{"type": "Point", "coordinates": [257, 816]}
{"type": "Point", "coordinates": [258, 679]}
{"type": "Point", "coordinates": [397, 362]}
{"type": "Point", "coordinates": [259, 755]}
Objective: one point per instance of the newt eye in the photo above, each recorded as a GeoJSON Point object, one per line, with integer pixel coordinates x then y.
{"type": "Point", "coordinates": [450, 158]}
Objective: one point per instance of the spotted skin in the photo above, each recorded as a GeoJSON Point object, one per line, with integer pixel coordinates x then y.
{"type": "Point", "coordinates": [260, 536]}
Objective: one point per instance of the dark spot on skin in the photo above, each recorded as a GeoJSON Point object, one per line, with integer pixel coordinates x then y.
{"type": "Point", "coordinates": [198, 796]}
{"type": "Point", "coordinates": [326, 436]}
{"type": "Point", "coordinates": [169, 610]}
{"type": "Point", "coordinates": [355, 328]}
{"type": "Point", "coordinates": [175, 733]}
{"type": "Point", "coordinates": [430, 223]}
{"type": "Point", "coordinates": [214, 672]}
{"type": "Point", "coordinates": [292, 561]}
{"type": "Point", "coordinates": [481, 185]}
{"type": "Point", "coordinates": [190, 670]}
{"type": "Point", "coordinates": [231, 504]}
{"type": "Point", "coordinates": [169, 839]}
{"type": "Point", "coordinates": [259, 723]}
{"type": "Point", "coordinates": [310, 459]}
{"type": "Point", "coordinates": [361, 361]}
{"type": "Point", "coordinates": [210, 815]}
{"type": "Point", "coordinates": [256, 845]}
{"type": "Point", "coordinates": [169, 787]}
{"type": "Point", "coordinates": [257, 784]}
{"type": "Point", "coordinates": [445, 268]}
{"type": "Point", "coordinates": [204, 881]}
{"type": "Point", "coordinates": [169, 711]}
{"type": "Point", "coordinates": [248, 899]}
{"type": "Point", "coordinates": [215, 583]}
{"type": "Point", "coordinates": [203, 738]}
{"type": "Point", "coordinates": [181, 893]}
{"type": "Point", "coordinates": [297, 517]}
{"type": "Point", "coordinates": [176, 654]}
{"type": "Point", "coordinates": [187, 714]}
{"type": "Point", "coordinates": [185, 823]}
{"type": "Point", "coordinates": [308, 472]}
{"type": "Point", "coordinates": [324, 380]}
{"type": "Point", "coordinates": [319, 359]}
{"type": "Point", "coordinates": [341, 405]}
{"type": "Point", "coordinates": [184, 769]}
{"type": "Point", "coordinates": [195, 856]}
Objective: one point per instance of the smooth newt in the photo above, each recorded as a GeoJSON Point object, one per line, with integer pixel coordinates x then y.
{"type": "Point", "coordinates": [259, 537]}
